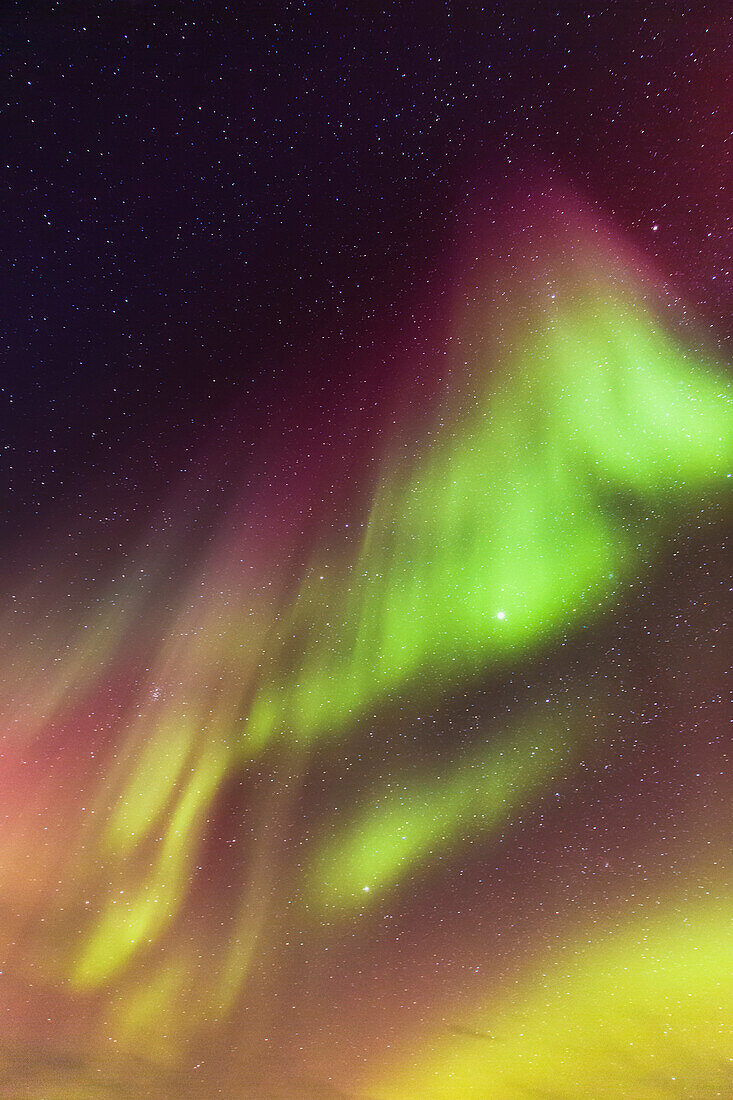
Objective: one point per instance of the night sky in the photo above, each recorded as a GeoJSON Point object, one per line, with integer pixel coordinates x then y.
{"type": "Point", "coordinates": [366, 461]}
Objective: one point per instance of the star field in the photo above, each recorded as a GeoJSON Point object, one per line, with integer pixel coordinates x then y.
{"type": "Point", "coordinates": [366, 458]}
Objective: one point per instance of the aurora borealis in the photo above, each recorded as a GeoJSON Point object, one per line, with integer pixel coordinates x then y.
{"type": "Point", "coordinates": [375, 742]}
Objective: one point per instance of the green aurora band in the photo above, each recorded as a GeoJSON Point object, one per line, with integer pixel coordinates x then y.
{"type": "Point", "coordinates": [578, 442]}
{"type": "Point", "coordinates": [539, 501]}
{"type": "Point", "coordinates": [524, 516]}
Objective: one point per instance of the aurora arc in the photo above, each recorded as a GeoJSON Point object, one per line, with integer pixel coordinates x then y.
{"type": "Point", "coordinates": [566, 456]}
{"type": "Point", "coordinates": [539, 503]}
